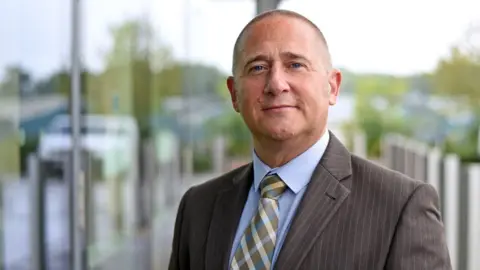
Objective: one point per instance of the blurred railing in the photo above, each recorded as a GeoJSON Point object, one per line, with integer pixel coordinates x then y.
{"type": "Point", "coordinates": [126, 221]}
{"type": "Point", "coordinates": [458, 184]}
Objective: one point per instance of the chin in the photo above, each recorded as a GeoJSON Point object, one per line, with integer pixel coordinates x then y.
{"type": "Point", "coordinates": [281, 135]}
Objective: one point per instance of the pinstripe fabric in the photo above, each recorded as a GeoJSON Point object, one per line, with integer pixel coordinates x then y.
{"type": "Point", "coordinates": [355, 215]}
{"type": "Point", "coordinates": [387, 221]}
{"type": "Point", "coordinates": [257, 245]}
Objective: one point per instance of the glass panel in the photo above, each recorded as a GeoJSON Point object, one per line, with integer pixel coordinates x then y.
{"type": "Point", "coordinates": [150, 70]}
{"type": "Point", "coordinates": [34, 63]}
{"type": "Point", "coordinates": [119, 58]}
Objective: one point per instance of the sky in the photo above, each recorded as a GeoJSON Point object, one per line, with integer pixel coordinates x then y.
{"type": "Point", "coordinates": [388, 36]}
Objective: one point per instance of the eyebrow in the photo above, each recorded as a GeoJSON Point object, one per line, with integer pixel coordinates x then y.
{"type": "Point", "coordinates": [258, 57]}
{"type": "Point", "coordinates": [286, 55]}
{"type": "Point", "coordinates": [291, 56]}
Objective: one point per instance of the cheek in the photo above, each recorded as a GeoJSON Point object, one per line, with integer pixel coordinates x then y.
{"type": "Point", "coordinates": [315, 100]}
{"type": "Point", "coordinates": [250, 95]}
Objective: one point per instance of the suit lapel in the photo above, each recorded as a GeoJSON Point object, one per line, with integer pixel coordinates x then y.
{"type": "Point", "coordinates": [323, 197]}
{"type": "Point", "coordinates": [227, 211]}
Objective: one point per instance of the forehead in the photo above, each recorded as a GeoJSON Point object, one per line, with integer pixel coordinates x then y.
{"type": "Point", "coordinates": [274, 35]}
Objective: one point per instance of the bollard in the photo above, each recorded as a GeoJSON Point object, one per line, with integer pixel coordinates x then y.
{"type": "Point", "coordinates": [37, 214]}
{"type": "Point", "coordinates": [81, 210]}
{"type": "Point", "coordinates": [67, 177]}
{"type": "Point", "coordinates": [149, 187]}
{"type": "Point", "coordinates": [89, 201]}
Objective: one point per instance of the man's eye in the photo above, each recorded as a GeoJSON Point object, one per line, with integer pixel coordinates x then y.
{"type": "Point", "coordinates": [257, 68]}
{"type": "Point", "coordinates": [296, 65]}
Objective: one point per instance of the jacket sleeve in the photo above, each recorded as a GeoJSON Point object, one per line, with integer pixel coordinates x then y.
{"type": "Point", "coordinates": [179, 253]}
{"type": "Point", "coordinates": [419, 241]}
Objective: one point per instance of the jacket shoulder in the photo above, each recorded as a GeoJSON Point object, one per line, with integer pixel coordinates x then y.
{"type": "Point", "coordinates": [380, 179]}
{"type": "Point", "coordinates": [211, 187]}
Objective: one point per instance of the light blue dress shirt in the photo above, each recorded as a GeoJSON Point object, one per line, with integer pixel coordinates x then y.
{"type": "Point", "coordinates": [296, 174]}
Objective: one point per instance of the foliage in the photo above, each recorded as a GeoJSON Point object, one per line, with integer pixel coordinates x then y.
{"type": "Point", "coordinates": [202, 163]}
{"type": "Point", "coordinates": [378, 107]}
{"type": "Point", "coordinates": [231, 126]}
{"type": "Point", "coordinates": [235, 131]}
{"type": "Point", "coordinates": [141, 74]}
{"type": "Point", "coordinates": [457, 78]}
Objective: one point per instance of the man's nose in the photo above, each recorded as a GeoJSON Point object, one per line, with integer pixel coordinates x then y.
{"type": "Point", "coordinates": [276, 82]}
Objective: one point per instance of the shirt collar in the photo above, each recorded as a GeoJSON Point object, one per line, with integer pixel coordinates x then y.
{"type": "Point", "coordinates": [296, 173]}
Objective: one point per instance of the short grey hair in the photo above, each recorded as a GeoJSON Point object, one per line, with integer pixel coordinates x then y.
{"type": "Point", "coordinates": [277, 12]}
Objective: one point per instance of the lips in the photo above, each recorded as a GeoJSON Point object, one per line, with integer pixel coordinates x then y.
{"type": "Point", "coordinates": [278, 107]}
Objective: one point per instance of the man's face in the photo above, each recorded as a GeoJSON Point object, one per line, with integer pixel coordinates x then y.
{"type": "Point", "coordinates": [283, 85]}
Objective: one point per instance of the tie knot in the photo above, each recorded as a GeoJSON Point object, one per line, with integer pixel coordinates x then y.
{"type": "Point", "coordinates": [272, 187]}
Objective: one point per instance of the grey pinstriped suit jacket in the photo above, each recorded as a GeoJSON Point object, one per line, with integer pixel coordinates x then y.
{"type": "Point", "coordinates": [354, 215]}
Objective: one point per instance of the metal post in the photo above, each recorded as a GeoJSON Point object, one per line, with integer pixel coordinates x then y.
{"type": "Point", "coordinates": [409, 161]}
{"type": "Point", "coordinates": [188, 151]}
{"type": "Point", "coordinates": [387, 151]}
{"type": "Point", "coordinates": [462, 238]}
{"type": "Point", "coordinates": [473, 218]}
{"type": "Point", "coordinates": [452, 178]}
{"type": "Point", "coordinates": [266, 5]}
{"type": "Point", "coordinates": [434, 167]}
{"type": "Point", "coordinates": [79, 241]}
{"type": "Point", "coordinates": [218, 154]}
{"type": "Point", "coordinates": [360, 143]}
{"type": "Point", "coordinates": [400, 154]}
{"type": "Point", "coordinates": [145, 197]}
{"type": "Point", "coordinates": [139, 185]}
{"type": "Point", "coordinates": [37, 206]}
{"type": "Point", "coordinates": [395, 153]}
{"type": "Point", "coordinates": [420, 165]}
{"type": "Point", "coordinates": [171, 174]}
{"type": "Point", "coordinates": [88, 202]}
{"type": "Point", "coordinates": [67, 177]}
{"type": "Point", "coordinates": [145, 191]}
{"type": "Point", "coordinates": [153, 182]}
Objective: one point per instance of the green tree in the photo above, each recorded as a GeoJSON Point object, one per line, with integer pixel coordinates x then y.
{"type": "Point", "coordinates": [127, 84]}
{"type": "Point", "coordinates": [457, 78]}
{"type": "Point", "coordinates": [231, 125]}
{"type": "Point", "coordinates": [189, 79]}
{"type": "Point", "coordinates": [378, 103]}
{"type": "Point", "coordinates": [235, 131]}
{"type": "Point", "coordinates": [60, 82]}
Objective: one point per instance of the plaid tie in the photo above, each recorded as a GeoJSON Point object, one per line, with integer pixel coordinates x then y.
{"type": "Point", "coordinates": [256, 247]}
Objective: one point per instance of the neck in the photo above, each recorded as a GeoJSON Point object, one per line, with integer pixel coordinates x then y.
{"type": "Point", "coordinates": [276, 153]}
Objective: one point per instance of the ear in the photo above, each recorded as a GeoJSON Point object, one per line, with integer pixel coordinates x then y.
{"type": "Point", "coordinates": [334, 81]}
{"type": "Point", "coordinates": [233, 93]}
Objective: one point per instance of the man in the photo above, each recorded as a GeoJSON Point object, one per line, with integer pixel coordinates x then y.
{"type": "Point", "coordinates": [304, 202]}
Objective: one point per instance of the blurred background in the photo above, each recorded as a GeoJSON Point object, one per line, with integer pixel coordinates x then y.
{"type": "Point", "coordinates": [111, 109]}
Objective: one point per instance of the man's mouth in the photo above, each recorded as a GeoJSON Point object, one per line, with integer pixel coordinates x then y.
{"type": "Point", "coordinates": [279, 108]}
